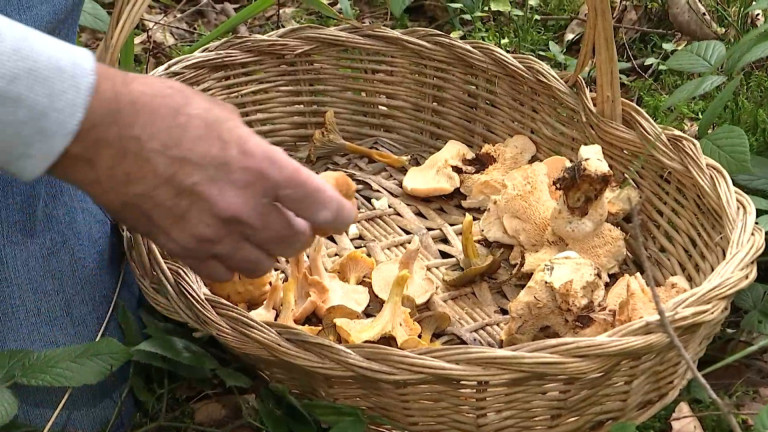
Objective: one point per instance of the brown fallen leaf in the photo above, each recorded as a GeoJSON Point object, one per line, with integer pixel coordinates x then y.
{"type": "Point", "coordinates": [576, 27]}
{"type": "Point", "coordinates": [692, 20]}
{"type": "Point", "coordinates": [684, 420]}
{"type": "Point", "coordinates": [217, 411]}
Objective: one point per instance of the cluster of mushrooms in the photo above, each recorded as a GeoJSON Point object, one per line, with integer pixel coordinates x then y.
{"type": "Point", "coordinates": [557, 219]}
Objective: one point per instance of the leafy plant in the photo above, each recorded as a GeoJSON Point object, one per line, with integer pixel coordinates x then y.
{"type": "Point", "coordinates": [93, 16]}
{"type": "Point", "coordinates": [71, 366]}
{"type": "Point", "coordinates": [754, 301]}
{"type": "Point", "coordinates": [716, 65]}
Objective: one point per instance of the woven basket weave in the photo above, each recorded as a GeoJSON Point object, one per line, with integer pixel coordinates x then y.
{"type": "Point", "coordinates": [416, 89]}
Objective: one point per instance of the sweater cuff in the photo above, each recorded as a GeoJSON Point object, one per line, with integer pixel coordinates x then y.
{"type": "Point", "coordinates": [46, 86]}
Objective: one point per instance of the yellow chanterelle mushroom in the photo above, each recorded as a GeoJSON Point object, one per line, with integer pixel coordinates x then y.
{"type": "Point", "coordinates": [393, 320]}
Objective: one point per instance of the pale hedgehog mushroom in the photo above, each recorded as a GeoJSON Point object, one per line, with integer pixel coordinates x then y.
{"type": "Point", "coordinates": [533, 259]}
{"type": "Point", "coordinates": [420, 286]}
{"type": "Point", "coordinates": [492, 226]}
{"type": "Point", "coordinates": [556, 166]}
{"type": "Point", "coordinates": [268, 310]}
{"type": "Point", "coordinates": [525, 206]}
{"type": "Point", "coordinates": [606, 247]}
{"type": "Point", "coordinates": [331, 290]}
{"type": "Point", "coordinates": [631, 299]}
{"type": "Point", "coordinates": [393, 320]}
{"type": "Point", "coordinates": [582, 208]}
{"type": "Point", "coordinates": [585, 181]}
{"type": "Point", "coordinates": [559, 291]}
{"type": "Point", "coordinates": [500, 159]}
{"type": "Point", "coordinates": [620, 199]}
{"type": "Point", "coordinates": [437, 176]}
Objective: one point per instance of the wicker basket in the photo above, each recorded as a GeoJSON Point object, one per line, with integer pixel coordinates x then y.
{"type": "Point", "coordinates": [416, 89]}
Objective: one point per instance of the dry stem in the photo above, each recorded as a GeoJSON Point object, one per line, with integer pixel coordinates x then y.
{"type": "Point", "coordinates": [645, 265]}
{"type": "Point", "coordinates": [617, 25]}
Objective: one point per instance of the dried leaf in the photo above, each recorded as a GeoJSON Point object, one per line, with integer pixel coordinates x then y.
{"type": "Point", "coordinates": [684, 420]}
{"type": "Point", "coordinates": [691, 19]}
{"type": "Point", "coordinates": [576, 27]}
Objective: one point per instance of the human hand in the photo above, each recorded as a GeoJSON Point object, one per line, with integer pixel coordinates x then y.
{"type": "Point", "coordinates": [182, 168]}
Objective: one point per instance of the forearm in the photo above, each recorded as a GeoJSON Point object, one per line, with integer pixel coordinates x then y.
{"type": "Point", "coordinates": [46, 87]}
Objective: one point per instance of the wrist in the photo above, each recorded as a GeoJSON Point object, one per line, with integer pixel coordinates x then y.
{"type": "Point", "coordinates": [100, 128]}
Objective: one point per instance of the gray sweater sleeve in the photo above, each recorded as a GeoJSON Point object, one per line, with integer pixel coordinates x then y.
{"type": "Point", "coordinates": [46, 86]}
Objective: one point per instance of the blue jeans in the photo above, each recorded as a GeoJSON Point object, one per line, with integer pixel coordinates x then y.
{"type": "Point", "coordinates": [60, 260]}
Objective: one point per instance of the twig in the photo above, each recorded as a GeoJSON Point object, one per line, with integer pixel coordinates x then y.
{"type": "Point", "coordinates": [624, 26]}
{"type": "Point", "coordinates": [709, 413]}
{"type": "Point", "coordinates": [646, 266]}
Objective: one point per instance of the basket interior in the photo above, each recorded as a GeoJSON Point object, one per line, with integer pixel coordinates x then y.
{"type": "Point", "coordinates": [412, 94]}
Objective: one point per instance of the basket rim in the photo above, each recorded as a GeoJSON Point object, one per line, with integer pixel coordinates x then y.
{"type": "Point", "coordinates": [747, 241]}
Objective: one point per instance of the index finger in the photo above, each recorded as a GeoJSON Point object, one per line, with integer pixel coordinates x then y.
{"type": "Point", "coordinates": [305, 194]}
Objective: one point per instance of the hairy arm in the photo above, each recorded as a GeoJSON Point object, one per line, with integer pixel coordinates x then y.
{"type": "Point", "coordinates": [168, 161]}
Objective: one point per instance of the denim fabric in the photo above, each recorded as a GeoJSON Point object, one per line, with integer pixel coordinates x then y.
{"type": "Point", "coordinates": [60, 260]}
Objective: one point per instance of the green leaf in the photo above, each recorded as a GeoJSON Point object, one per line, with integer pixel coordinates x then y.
{"type": "Point", "coordinates": [274, 419]}
{"type": "Point", "coordinates": [181, 350]}
{"type": "Point", "coordinates": [94, 16]}
{"type": "Point", "coordinates": [323, 8]}
{"type": "Point", "coordinates": [330, 413]}
{"type": "Point", "coordinates": [157, 327]}
{"type": "Point", "coordinates": [346, 9]}
{"type": "Point", "coordinates": [756, 321]}
{"type": "Point", "coordinates": [351, 425]}
{"type": "Point", "coordinates": [397, 7]}
{"type": "Point", "coordinates": [129, 325]}
{"type": "Point", "coordinates": [737, 52]}
{"type": "Point", "coordinates": [758, 180]}
{"type": "Point", "coordinates": [159, 361]}
{"type": "Point", "coordinates": [233, 378]}
{"type": "Point", "coordinates": [757, 52]}
{"type": "Point", "coordinates": [11, 361]}
{"type": "Point", "coordinates": [751, 298]}
{"type": "Point", "coordinates": [698, 57]}
{"type": "Point", "coordinates": [729, 146]}
{"type": "Point", "coordinates": [697, 391]}
{"type": "Point", "coordinates": [298, 418]}
{"type": "Point", "coordinates": [140, 388]}
{"type": "Point", "coordinates": [502, 5]}
{"type": "Point", "coordinates": [760, 4]}
{"type": "Point", "coordinates": [73, 366]}
{"type": "Point", "coordinates": [762, 221]}
{"type": "Point", "coordinates": [230, 24]}
{"type": "Point", "coordinates": [716, 107]}
{"type": "Point", "coordinates": [761, 420]}
{"type": "Point", "coordinates": [623, 426]}
{"type": "Point", "coordinates": [9, 406]}
{"type": "Point", "coordinates": [127, 53]}
{"type": "Point", "coordinates": [17, 426]}
{"type": "Point", "coordinates": [759, 202]}
{"type": "Point", "coordinates": [694, 88]}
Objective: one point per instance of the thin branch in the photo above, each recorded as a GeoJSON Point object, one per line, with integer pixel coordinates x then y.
{"type": "Point", "coordinates": [617, 25]}
{"type": "Point", "coordinates": [646, 266]}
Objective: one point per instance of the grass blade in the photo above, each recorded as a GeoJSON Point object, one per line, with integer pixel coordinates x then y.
{"type": "Point", "coordinates": [227, 26]}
